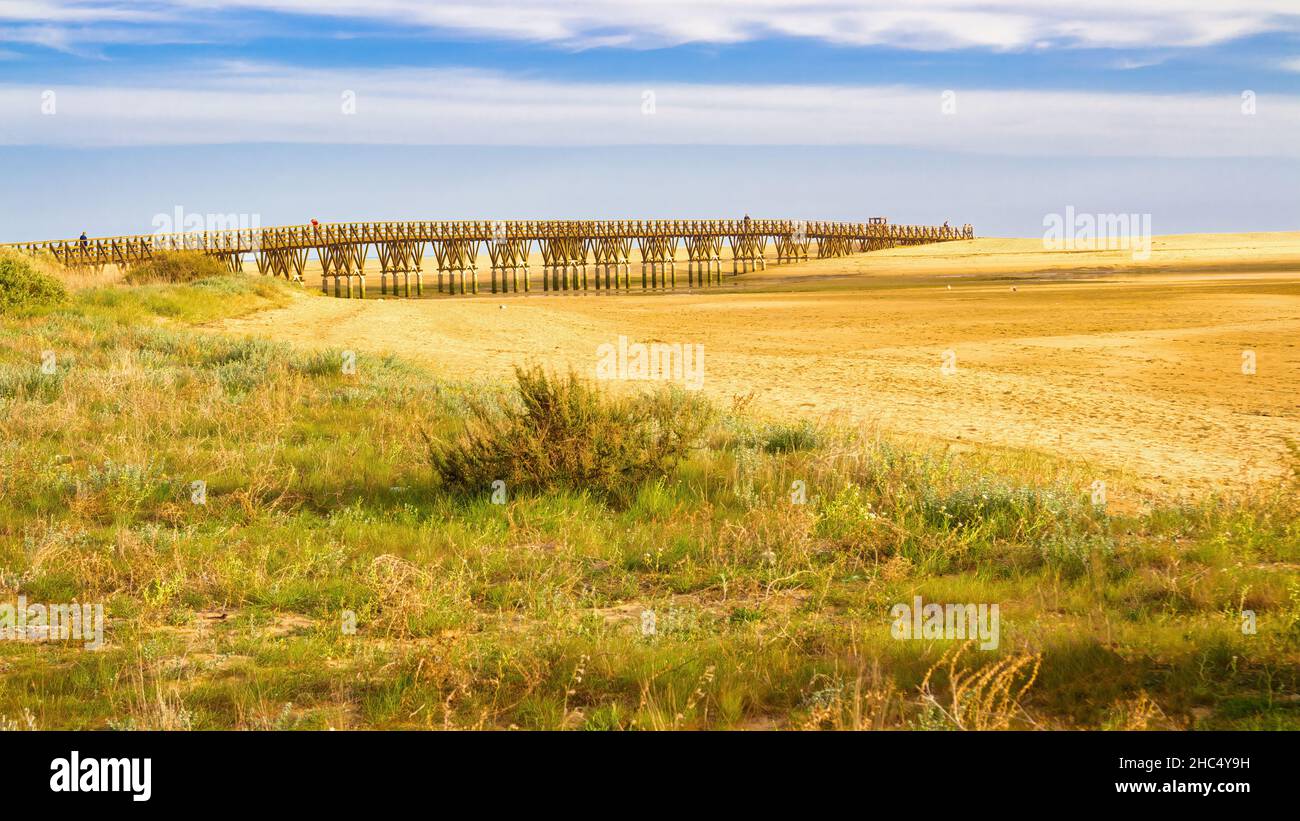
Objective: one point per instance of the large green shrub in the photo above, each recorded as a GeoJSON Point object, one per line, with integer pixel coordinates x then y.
{"type": "Point", "coordinates": [177, 266]}
{"type": "Point", "coordinates": [23, 288]}
{"type": "Point", "coordinates": [564, 433]}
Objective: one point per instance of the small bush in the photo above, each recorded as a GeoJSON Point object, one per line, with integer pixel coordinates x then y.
{"type": "Point", "coordinates": [23, 288]}
{"type": "Point", "coordinates": [1004, 511]}
{"type": "Point", "coordinates": [846, 516]}
{"type": "Point", "coordinates": [1072, 555]}
{"type": "Point", "coordinates": [783, 438]}
{"type": "Point", "coordinates": [30, 384]}
{"type": "Point", "coordinates": [740, 432]}
{"type": "Point", "coordinates": [564, 433]}
{"type": "Point", "coordinates": [177, 266]}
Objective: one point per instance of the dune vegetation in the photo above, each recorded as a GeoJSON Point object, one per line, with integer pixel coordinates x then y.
{"type": "Point", "coordinates": [285, 538]}
{"type": "Point", "coordinates": [25, 288]}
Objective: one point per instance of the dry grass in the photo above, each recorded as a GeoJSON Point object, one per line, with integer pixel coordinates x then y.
{"type": "Point", "coordinates": [176, 267]}
{"type": "Point", "coordinates": [981, 696]}
{"type": "Point", "coordinates": [76, 279]}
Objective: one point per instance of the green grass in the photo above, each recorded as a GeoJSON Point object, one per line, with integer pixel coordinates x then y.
{"type": "Point", "coordinates": [322, 506]}
{"type": "Point", "coordinates": [202, 301]}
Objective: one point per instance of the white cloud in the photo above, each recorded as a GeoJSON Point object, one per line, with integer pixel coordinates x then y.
{"type": "Point", "coordinates": [1131, 64]}
{"type": "Point", "coordinates": [81, 13]}
{"type": "Point", "coordinates": [913, 24]}
{"type": "Point", "coordinates": [248, 102]}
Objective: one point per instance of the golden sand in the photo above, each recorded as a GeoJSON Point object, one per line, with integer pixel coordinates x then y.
{"type": "Point", "coordinates": [1133, 367]}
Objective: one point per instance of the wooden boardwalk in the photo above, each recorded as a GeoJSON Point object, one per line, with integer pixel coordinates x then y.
{"type": "Point", "coordinates": [577, 255]}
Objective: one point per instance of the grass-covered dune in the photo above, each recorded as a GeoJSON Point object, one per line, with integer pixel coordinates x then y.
{"type": "Point", "coordinates": [353, 562]}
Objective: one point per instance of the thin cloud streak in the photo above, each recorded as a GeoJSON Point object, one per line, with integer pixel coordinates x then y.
{"type": "Point", "coordinates": [248, 103]}
{"type": "Point", "coordinates": [925, 25]}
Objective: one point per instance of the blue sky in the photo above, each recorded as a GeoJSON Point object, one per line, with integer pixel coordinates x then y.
{"type": "Point", "coordinates": [995, 112]}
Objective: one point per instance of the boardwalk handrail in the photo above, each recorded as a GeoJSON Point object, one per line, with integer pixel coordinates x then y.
{"type": "Point", "coordinates": [487, 230]}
